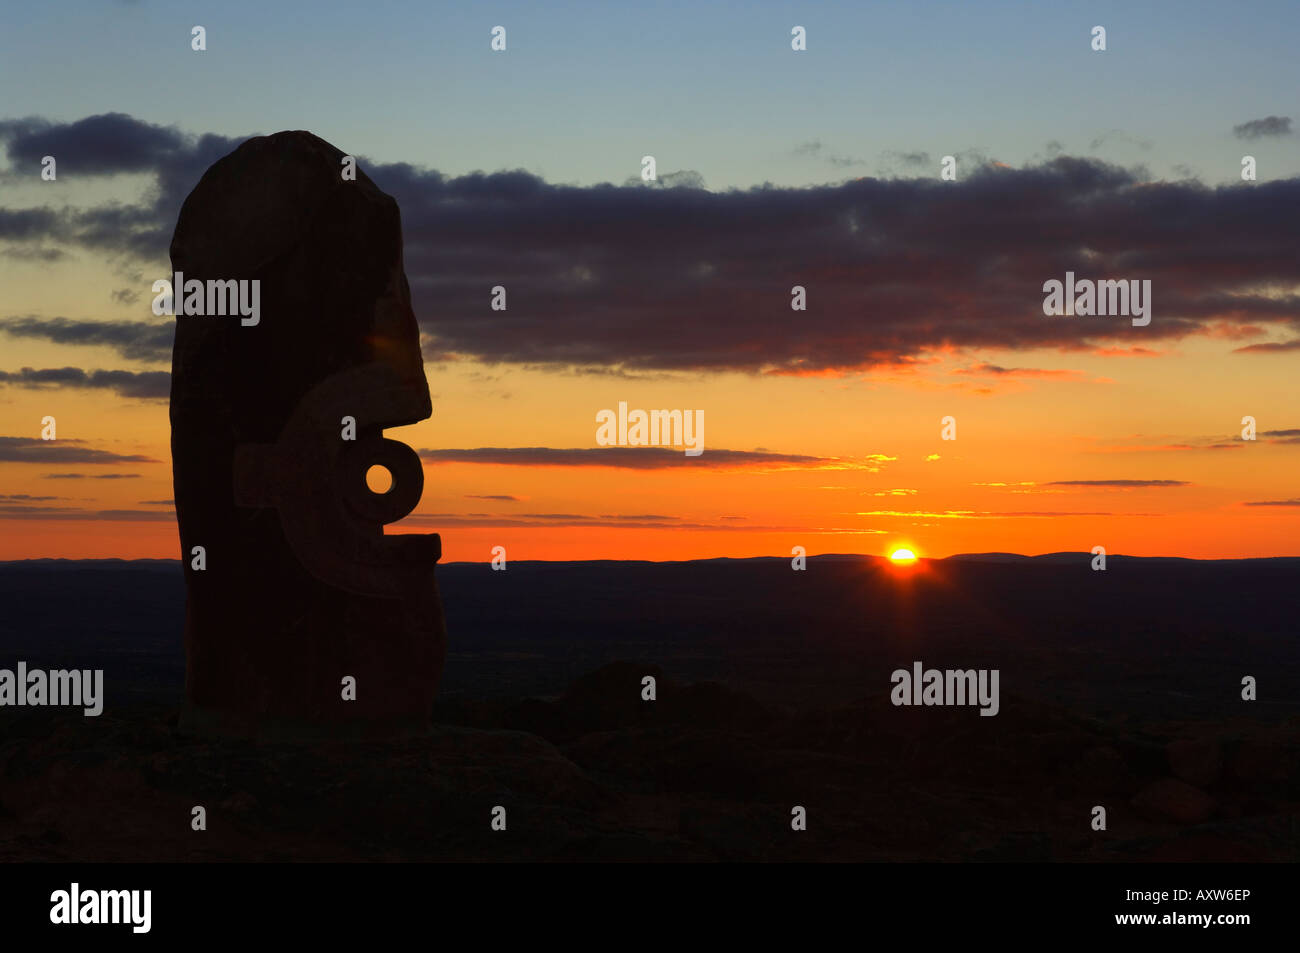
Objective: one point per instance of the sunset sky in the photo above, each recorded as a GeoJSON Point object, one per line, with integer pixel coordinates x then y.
{"type": "Point", "coordinates": [776, 168]}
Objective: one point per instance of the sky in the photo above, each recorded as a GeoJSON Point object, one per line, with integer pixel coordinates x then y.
{"type": "Point", "coordinates": [819, 168]}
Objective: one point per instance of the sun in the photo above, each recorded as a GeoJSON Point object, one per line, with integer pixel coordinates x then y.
{"type": "Point", "coordinates": [902, 556]}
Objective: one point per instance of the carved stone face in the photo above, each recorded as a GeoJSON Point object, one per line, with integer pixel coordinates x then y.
{"type": "Point", "coordinates": [301, 587]}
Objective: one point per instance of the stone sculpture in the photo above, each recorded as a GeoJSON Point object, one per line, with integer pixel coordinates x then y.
{"type": "Point", "coordinates": [302, 617]}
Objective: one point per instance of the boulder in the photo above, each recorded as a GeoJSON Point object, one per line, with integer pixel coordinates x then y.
{"type": "Point", "coordinates": [1197, 761]}
{"type": "Point", "coordinates": [1172, 800]}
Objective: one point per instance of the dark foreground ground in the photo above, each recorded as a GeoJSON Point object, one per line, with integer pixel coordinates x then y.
{"type": "Point", "coordinates": [1120, 689]}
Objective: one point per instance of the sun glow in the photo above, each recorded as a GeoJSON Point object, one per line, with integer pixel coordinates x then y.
{"type": "Point", "coordinates": [903, 556]}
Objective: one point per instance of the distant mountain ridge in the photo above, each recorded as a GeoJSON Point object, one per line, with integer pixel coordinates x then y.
{"type": "Point", "coordinates": [56, 564]}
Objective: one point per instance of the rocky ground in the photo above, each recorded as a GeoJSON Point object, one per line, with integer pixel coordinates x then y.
{"type": "Point", "coordinates": [705, 772]}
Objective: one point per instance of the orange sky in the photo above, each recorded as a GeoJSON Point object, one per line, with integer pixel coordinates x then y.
{"type": "Point", "coordinates": [1133, 446]}
{"type": "Point", "coordinates": [875, 483]}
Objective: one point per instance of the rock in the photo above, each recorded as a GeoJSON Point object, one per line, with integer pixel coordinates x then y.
{"type": "Point", "coordinates": [1197, 761]}
{"type": "Point", "coordinates": [1032, 847]}
{"type": "Point", "coordinates": [1102, 769]}
{"type": "Point", "coordinates": [241, 802]}
{"type": "Point", "coordinates": [1205, 848]}
{"type": "Point", "coordinates": [300, 588]}
{"type": "Point", "coordinates": [1264, 760]}
{"type": "Point", "coordinates": [714, 705]}
{"type": "Point", "coordinates": [1174, 800]}
{"type": "Point", "coordinates": [610, 696]}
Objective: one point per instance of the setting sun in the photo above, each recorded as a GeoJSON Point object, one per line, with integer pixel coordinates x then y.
{"type": "Point", "coordinates": [903, 556]}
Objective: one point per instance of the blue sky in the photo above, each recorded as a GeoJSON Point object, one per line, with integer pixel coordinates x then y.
{"type": "Point", "coordinates": [925, 296]}
{"type": "Point", "coordinates": [584, 90]}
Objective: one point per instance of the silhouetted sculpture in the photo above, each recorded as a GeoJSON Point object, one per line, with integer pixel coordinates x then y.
{"type": "Point", "coordinates": [300, 589]}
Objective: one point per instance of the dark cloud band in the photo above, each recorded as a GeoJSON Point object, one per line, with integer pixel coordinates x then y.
{"type": "Point", "coordinates": [683, 279]}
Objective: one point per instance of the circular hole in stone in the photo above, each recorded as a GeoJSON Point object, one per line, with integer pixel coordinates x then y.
{"type": "Point", "coordinates": [379, 479]}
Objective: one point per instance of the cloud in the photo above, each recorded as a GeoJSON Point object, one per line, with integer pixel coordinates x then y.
{"type": "Point", "coordinates": [1275, 503]}
{"type": "Point", "coordinates": [1118, 483]}
{"type": "Point", "coordinates": [125, 296]}
{"type": "Point", "coordinates": [21, 511]}
{"type": "Point", "coordinates": [1125, 352]}
{"type": "Point", "coordinates": [1120, 137]}
{"type": "Point", "coordinates": [895, 268]}
{"type": "Point", "coordinates": [110, 144]}
{"type": "Point", "coordinates": [34, 450]}
{"type": "Point", "coordinates": [892, 267]}
{"type": "Point", "coordinates": [29, 224]}
{"type": "Point", "coordinates": [554, 520]}
{"type": "Point", "coordinates": [134, 340]}
{"type": "Point", "coordinates": [1173, 447]}
{"type": "Point", "coordinates": [993, 370]}
{"type": "Point", "coordinates": [143, 385]}
{"type": "Point", "coordinates": [1269, 126]}
{"type": "Point", "coordinates": [643, 516]}
{"type": "Point", "coordinates": [89, 476]}
{"type": "Point", "coordinates": [1165, 444]}
{"type": "Point", "coordinates": [682, 179]}
{"type": "Point", "coordinates": [500, 497]}
{"type": "Point", "coordinates": [647, 458]}
{"type": "Point", "coordinates": [913, 159]}
{"type": "Point", "coordinates": [96, 145]}
{"type": "Point", "coordinates": [1268, 347]}
{"type": "Point", "coordinates": [39, 254]}
{"type": "Point", "coordinates": [14, 497]}
{"type": "Point", "coordinates": [815, 149]}
{"type": "Point", "coordinates": [986, 514]}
